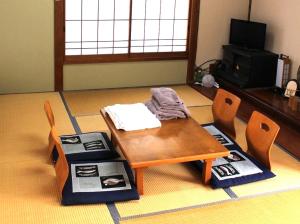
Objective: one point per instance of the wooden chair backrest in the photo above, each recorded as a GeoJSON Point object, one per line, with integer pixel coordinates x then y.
{"type": "Point", "coordinates": [49, 113]}
{"type": "Point", "coordinates": [61, 166]}
{"type": "Point", "coordinates": [224, 110]}
{"type": "Point", "coordinates": [260, 135]}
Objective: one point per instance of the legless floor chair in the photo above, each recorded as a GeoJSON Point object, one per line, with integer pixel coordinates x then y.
{"type": "Point", "coordinates": [224, 109]}
{"type": "Point", "coordinates": [241, 167]}
{"type": "Point", "coordinates": [86, 146]}
{"type": "Point", "coordinates": [90, 182]}
{"type": "Point", "coordinates": [261, 133]}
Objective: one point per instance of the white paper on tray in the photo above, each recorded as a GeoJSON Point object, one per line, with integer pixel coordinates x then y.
{"type": "Point", "coordinates": [85, 140]}
{"type": "Point", "coordinates": [234, 166]}
{"type": "Point", "coordinates": [99, 177]}
{"type": "Point", "coordinates": [218, 135]}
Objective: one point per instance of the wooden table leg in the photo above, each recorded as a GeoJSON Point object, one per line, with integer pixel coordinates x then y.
{"type": "Point", "coordinates": [206, 173]}
{"type": "Point", "coordinates": [139, 176]}
{"type": "Point", "coordinates": [113, 141]}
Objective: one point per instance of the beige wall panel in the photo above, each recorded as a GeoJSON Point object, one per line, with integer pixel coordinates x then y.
{"type": "Point", "coordinates": [26, 46]}
{"type": "Point", "coordinates": [214, 26]}
{"type": "Point", "coordinates": [283, 31]}
{"type": "Point", "coordinates": [129, 74]}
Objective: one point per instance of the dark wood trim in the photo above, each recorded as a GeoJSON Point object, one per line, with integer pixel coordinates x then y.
{"type": "Point", "coordinates": [269, 102]}
{"type": "Point", "coordinates": [130, 27]}
{"type": "Point", "coordinates": [274, 104]}
{"type": "Point", "coordinates": [249, 9]}
{"type": "Point", "coordinates": [81, 59]}
{"type": "Point", "coordinates": [193, 38]}
{"type": "Point", "coordinates": [59, 43]}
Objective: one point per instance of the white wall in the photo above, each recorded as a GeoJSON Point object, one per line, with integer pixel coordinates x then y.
{"type": "Point", "coordinates": [214, 26]}
{"type": "Point", "coordinates": [283, 27]}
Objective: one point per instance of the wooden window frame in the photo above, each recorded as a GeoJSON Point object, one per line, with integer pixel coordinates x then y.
{"type": "Point", "coordinates": [61, 58]}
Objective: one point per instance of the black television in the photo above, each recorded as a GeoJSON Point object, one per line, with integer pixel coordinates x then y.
{"type": "Point", "coordinates": [247, 34]}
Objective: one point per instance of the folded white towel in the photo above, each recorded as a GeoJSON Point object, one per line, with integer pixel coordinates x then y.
{"type": "Point", "coordinates": [130, 117]}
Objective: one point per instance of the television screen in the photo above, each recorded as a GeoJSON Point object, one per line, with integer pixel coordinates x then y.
{"type": "Point", "coordinates": [247, 34]}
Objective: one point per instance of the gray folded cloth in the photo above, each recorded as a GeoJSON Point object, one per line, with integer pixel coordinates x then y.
{"type": "Point", "coordinates": [166, 96]}
{"type": "Point", "coordinates": [164, 115]}
{"type": "Point", "coordinates": [166, 105]}
{"type": "Point", "coordinates": [180, 108]}
{"type": "Point", "coordinates": [149, 104]}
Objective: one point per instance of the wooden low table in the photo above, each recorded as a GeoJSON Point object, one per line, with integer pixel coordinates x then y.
{"type": "Point", "coordinates": [176, 141]}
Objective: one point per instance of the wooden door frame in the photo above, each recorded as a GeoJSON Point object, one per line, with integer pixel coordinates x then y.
{"type": "Point", "coordinates": [59, 44]}
{"type": "Point", "coordinates": [193, 39]}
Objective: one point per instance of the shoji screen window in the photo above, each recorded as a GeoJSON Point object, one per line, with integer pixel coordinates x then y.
{"type": "Point", "coordinates": [127, 28]}
{"type": "Point", "coordinates": [159, 25]}
{"type": "Point", "coordinates": [96, 27]}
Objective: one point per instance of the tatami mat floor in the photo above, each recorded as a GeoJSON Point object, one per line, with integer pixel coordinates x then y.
{"type": "Point", "coordinates": [173, 193]}
{"type": "Point", "coordinates": [29, 195]}
{"type": "Point", "coordinates": [171, 187]}
{"type": "Point", "coordinates": [90, 102]}
{"type": "Point", "coordinates": [28, 189]}
{"type": "Point", "coordinates": [24, 127]}
{"type": "Point", "coordinates": [271, 209]}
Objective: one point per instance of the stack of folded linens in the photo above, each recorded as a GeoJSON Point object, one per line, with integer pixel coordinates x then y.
{"type": "Point", "coordinates": [166, 105]}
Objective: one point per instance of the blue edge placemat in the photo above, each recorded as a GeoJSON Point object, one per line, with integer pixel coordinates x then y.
{"type": "Point", "coordinates": [236, 169]}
